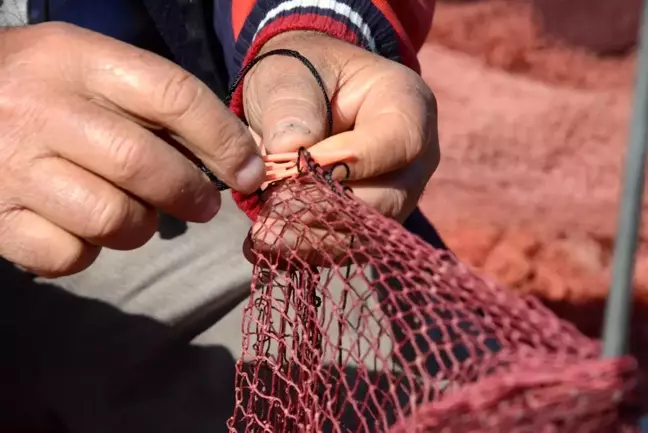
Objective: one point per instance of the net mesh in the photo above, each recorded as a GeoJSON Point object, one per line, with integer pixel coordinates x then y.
{"type": "Point", "coordinates": [355, 325]}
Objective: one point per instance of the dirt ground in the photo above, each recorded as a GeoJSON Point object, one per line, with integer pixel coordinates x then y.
{"type": "Point", "coordinates": [533, 136]}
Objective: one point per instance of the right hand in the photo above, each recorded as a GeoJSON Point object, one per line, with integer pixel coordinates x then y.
{"type": "Point", "coordinates": [80, 167]}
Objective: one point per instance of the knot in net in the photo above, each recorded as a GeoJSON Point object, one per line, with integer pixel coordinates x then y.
{"type": "Point", "coordinates": [356, 325]}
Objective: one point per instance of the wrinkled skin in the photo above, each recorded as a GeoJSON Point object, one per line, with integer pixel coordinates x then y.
{"type": "Point", "coordinates": [95, 134]}
{"type": "Point", "coordinates": [382, 110]}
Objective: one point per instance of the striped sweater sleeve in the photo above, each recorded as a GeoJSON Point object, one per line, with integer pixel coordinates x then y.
{"type": "Point", "coordinates": [394, 29]}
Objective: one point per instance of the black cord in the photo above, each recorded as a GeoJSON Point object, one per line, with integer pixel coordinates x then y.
{"type": "Point", "coordinates": [239, 79]}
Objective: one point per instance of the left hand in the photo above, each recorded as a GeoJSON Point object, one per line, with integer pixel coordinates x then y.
{"type": "Point", "coordinates": [382, 109]}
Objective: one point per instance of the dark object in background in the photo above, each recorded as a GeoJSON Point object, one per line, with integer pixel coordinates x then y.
{"type": "Point", "coordinates": [419, 225]}
{"type": "Point", "coordinates": [603, 26]}
{"type": "Point", "coordinates": [170, 227]}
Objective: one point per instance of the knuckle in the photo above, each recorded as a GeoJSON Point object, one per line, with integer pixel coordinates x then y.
{"type": "Point", "coordinates": [17, 128]}
{"type": "Point", "coordinates": [431, 149]}
{"type": "Point", "coordinates": [430, 102]}
{"type": "Point", "coordinates": [72, 259]}
{"type": "Point", "coordinates": [424, 125]}
{"type": "Point", "coordinates": [433, 156]}
{"type": "Point", "coordinates": [415, 137]}
{"type": "Point", "coordinates": [291, 83]}
{"type": "Point", "coordinates": [59, 29]}
{"type": "Point", "coordinates": [389, 202]}
{"type": "Point", "coordinates": [177, 94]}
{"type": "Point", "coordinates": [38, 57]}
{"type": "Point", "coordinates": [233, 140]}
{"type": "Point", "coordinates": [418, 110]}
{"type": "Point", "coordinates": [398, 199]}
{"type": "Point", "coordinates": [31, 49]}
{"type": "Point", "coordinates": [8, 214]}
{"type": "Point", "coordinates": [190, 187]}
{"type": "Point", "coordinates": [56, 34]}
{"type": "Point", "coordinates": [107, 217]}
{"type": "Point", "coordinates": [41, 259]}
{"type": "Point", "coordinates": [127, 157]}
{"type": "Point", "coordinates": [18, 106]}
{"type": "Point", "coordinates": [22, 115]}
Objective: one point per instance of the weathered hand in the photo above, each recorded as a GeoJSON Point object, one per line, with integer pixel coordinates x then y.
{"type": "Point", "coordinates": [80, 167]}
{"type": "Point", "coordinates": [382, 110]}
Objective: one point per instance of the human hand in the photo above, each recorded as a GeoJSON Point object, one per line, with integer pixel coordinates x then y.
{"type": "Point", "coordinates": [382, 110]}
{"type": "Point", "coordinates": [80, 165]}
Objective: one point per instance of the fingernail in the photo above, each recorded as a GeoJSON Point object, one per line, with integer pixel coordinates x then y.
{"type": "Point", "coordinates": [251, 174]}
{"type": "Point", "coordinates": [289, 127]}
{"type": "Point", "coordinates": [289, 135]}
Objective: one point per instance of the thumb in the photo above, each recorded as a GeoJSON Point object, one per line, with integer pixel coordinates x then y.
{"type": "Point", "coordinates": [285, 105]}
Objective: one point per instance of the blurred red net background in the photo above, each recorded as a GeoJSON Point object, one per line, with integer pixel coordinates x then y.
{"type": "Point", "coordinates": [534, 99]}
{"type": "Point", "coordinates": [534, 103]}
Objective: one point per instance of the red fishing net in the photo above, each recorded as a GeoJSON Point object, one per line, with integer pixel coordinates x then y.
{"type": "Point", "coordinates": [355, 325]}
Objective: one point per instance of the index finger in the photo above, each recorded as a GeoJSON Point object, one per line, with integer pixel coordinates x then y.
{"type": "Point", "coordinates": [157, 91]}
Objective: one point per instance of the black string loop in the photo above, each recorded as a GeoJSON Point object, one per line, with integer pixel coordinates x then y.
{"type": "Point", "coordinates": [239, 79]}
